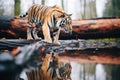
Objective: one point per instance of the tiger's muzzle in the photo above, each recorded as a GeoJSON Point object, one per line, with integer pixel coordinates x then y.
{"type": "Point", "coordinates": [66, 28]}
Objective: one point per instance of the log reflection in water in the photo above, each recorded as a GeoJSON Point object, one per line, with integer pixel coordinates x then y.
{"type": "Point", "coordinates": [103, 56]}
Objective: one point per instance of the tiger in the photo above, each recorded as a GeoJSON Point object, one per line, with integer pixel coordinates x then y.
{"type": "Point", "coordinates": [48, 18]}
{"type": "Point", "coordinates": [58, 72]}
{"type": "Point", "coordinates": [51, 69]}
{"type": "Point", "coordinates": [65, 72]}
{"type": "Point", "coordinates": [41, 73]}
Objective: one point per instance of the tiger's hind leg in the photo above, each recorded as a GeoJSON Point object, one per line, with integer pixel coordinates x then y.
{"type": "Point", "coordinates": [34, 33]}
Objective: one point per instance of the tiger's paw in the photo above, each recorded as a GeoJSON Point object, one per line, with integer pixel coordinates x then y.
{"type": "Point", "coordinates": [48, 40]}
{"type": "Point", "coordinates": [57, 42]}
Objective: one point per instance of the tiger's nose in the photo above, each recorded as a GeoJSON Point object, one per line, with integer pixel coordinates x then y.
{"type": "Point", "coordinates": [62, 25]}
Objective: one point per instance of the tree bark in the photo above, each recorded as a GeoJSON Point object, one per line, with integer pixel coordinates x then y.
{"type": "Point", "coordinates": [82, 29]}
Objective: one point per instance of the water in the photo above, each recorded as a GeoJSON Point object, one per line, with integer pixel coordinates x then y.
{"type": "Point", "coordinates": [100, 64]}
{"type": "Point", "coordinates": [93, 71]}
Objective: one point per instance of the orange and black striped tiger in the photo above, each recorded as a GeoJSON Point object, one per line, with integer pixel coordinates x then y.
{"type": "Point", "coordinates": [49, 17]}
{"type": "Point", "coordinates": [51, 70]}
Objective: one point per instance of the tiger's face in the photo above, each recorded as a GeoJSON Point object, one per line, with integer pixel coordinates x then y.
{"type": "Point", "coordinates": [65, 22]}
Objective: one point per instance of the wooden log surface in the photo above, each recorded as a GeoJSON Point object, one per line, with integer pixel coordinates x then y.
{"type": "Point", "coordinates": [100, 55]}
{"type": "Point", "coordinates": [103, 25]}
{"type": "Point", "coordinates": [82, 29]}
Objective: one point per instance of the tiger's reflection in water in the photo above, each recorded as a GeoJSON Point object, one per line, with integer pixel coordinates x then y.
{"type": "Point", "coordinates": [51, 69]}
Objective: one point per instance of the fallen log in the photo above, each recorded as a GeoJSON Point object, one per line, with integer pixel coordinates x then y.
{"type": "Point", "coordinates": [82, 29]}
{"type": "Point", "coordinates": [105, 54]}
{"type": "Point", "coordinates": [66, 45]}
{"type": "Point", "coordinates": [97, 28]}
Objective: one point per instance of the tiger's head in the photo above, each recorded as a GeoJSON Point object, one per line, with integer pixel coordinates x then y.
{"type": "Point", "coordinates": [64, 21]}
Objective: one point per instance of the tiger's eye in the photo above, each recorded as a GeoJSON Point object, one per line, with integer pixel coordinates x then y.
{"type": "Point", "coordinates": [62, 15]}
{"type": "Point", "coordinates": [68, 21]}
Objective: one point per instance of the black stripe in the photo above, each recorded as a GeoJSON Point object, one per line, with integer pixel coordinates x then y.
{"type": "Point", "coordinates": [49, 26]}
{"type": "Point", "coordinates": [32, 34]}
{"type": "Point", "coordinates": [54, 20]}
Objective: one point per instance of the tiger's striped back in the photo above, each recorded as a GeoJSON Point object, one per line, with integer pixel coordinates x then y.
{"type": "Point", "coordinates": [37, 13]}
{"type": "Point", "coordinates": [47, 17]}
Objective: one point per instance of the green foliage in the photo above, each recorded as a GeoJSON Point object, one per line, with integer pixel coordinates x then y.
{"type": "Point", "coordinates": [43, 2]}
{"type": "Point", "coordinates": [62, 4]}
{"type": "Point", "coordinates": [112, 8]}
{"type": "Point", "coordinates": [89, 7]}
{"type": "Point", "coordinates": [113, 71]}
{"type": "Point", "coordinates": [105, 39]}
{"type": "Point", "coordinates": [17, 7]}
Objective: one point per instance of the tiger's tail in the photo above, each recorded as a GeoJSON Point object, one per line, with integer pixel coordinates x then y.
{"type": "Point", "coordinates": [24, 15]}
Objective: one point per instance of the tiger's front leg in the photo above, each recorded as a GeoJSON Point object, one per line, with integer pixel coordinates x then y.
{"type": "Point", "coordinates": [56, 38]}
{"type": "Point", "coordinates": [46, 33]}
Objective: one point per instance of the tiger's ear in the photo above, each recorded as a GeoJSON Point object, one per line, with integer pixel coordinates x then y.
{"type": "Point", "coordinates": [63, 15]}
{"type": "Point", "coordinates": [69, 14]}
{"type": "Point", "coordinates": [54, 6]}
